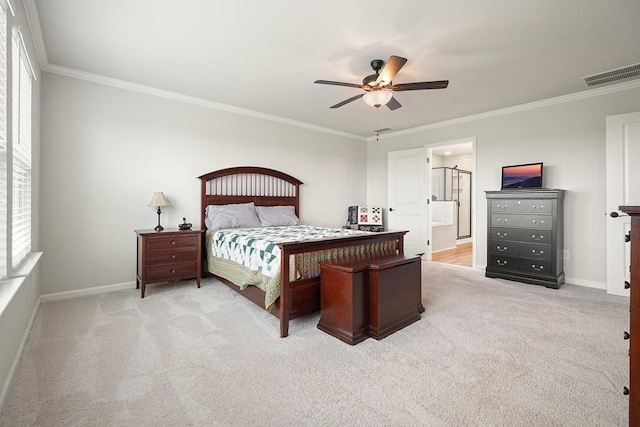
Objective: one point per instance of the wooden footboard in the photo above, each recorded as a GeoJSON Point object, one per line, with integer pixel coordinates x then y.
{"type": "Point", "coordinates": [300, 295]}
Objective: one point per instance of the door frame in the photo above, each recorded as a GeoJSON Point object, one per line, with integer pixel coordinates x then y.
{"type": "Point", "coordinates": [474, 194]}
{"type": "Point", "coordinates": [617, 166]}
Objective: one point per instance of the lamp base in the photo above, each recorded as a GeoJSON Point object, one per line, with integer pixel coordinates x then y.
{"type": "Point", "coordinates": [159, 227]}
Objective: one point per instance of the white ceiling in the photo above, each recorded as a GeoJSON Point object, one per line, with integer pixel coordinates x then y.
{"type": "Point", "coordinates": [264, 56]}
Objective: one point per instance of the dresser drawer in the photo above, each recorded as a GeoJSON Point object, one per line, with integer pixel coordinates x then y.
{"type": "Point", "coordinates": [172, 256]}
{"type": "Point", "coordinates": [522, 206]}
{"type": "Point", "coordinates": [520, 235]}
{"type": "Point", "coordinates": [172, 241]}
{"type": "Point", "coordinates": [542, 222]}
{"type": "Point", "coordinates": [522, 265]}
{"type": "Point", "coordinates": [532, 251]}
{"type": "Point", "coordinates": [167, 272]}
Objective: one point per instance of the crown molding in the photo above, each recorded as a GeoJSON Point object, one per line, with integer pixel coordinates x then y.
{"type": "Point", "coordinates": [122, 84]}
{"type": "Point", "coordinates": [634, 84]}
{"type": "Point", "coordinates": [33, 19]}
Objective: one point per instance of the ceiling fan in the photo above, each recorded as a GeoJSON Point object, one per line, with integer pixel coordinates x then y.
{"type": "Point", "coordinates": [378, 86]}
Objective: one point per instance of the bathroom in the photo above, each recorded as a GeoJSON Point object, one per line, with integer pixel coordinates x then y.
{"type": "Point", "coordinates": [451, 200]}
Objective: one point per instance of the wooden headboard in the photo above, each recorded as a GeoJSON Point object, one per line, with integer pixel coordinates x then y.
{"type": "Point", "coordinates": [244, 184]}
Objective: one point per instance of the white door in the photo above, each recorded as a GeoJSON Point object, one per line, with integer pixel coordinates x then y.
{"type": "Point", "coordinates": [407, 192]}
{"type": "Point", "coordinates": [623, 188]}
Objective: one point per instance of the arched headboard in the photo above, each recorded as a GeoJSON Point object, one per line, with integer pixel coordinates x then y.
{"type": "Point", "coordinates": [244, 184]}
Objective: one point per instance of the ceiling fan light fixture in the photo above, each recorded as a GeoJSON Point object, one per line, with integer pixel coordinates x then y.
{"type": "Point", "coordinates": [377, 98]}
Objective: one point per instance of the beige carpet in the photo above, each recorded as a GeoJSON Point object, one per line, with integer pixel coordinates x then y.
{"type": "Point", "coordinates": [486, 352]}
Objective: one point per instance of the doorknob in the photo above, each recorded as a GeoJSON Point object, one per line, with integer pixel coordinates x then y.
{"type": "Point", "coordinates": [615, 214]}
{"type": "Point", "coordinates": [390, 209]}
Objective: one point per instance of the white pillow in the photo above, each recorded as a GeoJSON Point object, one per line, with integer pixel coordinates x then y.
{"type": "Point", "coordinates": [272, 216]}
{"type": "Point", "coordinates": [231, 216]}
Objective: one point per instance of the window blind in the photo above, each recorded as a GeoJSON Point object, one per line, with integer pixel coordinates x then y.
{"type": "Point", "coordinates": [21, 153]}
{"type": "Point", "coordinates": [3, 142]}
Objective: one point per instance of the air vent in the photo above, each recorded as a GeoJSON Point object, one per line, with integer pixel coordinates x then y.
{"type": "Point", "coordinates": [613, 75]}
{"type": "Point", "coordinates": [381, 130]}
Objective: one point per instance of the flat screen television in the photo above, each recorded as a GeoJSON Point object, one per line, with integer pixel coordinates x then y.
{"type": "Point", "coordinates": [522, 176]}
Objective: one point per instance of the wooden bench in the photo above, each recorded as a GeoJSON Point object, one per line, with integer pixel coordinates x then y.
{"type": "Point", "coordinates": [370, 298]}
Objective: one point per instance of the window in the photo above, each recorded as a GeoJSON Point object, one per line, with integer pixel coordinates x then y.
{"type": "Point", "coordinates": [16, 75]}
{"type": "Point", "coordinates": [3, 142]}
{"type": "Point", "coordinates": [21, 153]}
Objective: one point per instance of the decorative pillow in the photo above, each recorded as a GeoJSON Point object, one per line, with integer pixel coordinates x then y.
{"type": "Point", "coordinates": [272, 216]}
{"type": "Point", "coordinates": [231, 216]}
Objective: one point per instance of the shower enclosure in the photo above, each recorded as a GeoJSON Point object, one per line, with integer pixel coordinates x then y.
{"type": "Point", "coordinates": [453, 184]}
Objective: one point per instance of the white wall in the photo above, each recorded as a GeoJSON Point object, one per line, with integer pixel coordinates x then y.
{"type": "Point", "coordinates": [568, 137]}
{"type": "Point", "coordinates": [105, 150]}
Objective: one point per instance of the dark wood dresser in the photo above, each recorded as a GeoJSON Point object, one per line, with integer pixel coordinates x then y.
{"type": "Point", "coordinates": [164, 256]}
{"type": "Point", "coordinates": [525, 236]}
{"type": "Point", "coordinates": [634, 316]}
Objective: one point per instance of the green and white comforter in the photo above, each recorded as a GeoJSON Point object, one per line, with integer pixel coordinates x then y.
{"type": "Point", "coordinates": [257, 248]}
{"type": "Point", "coordinates": [251, 256]}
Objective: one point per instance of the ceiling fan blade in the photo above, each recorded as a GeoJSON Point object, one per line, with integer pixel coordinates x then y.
{"type": "Point", "coordinates": [439, 84]}
{"type": "Point", "coordinates": [390, 69]}
{"type": "Point", "coordinates": [329, 82]}
{"type": "Point", "coordinates": [393, 104]}
{"type": "Point", "coordinates": [346, 101]}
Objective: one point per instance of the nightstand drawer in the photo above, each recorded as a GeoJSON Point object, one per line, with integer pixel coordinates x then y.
{"type": "Point", "coordinates": [173, 241]}
{"type": "Point", "coordinates": [171, 271]}
{"type": "Point", "coordinates": [172, 256]}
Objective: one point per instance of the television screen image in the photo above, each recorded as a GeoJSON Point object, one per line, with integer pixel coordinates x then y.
{"type": "Point", "coordinates": [522, 176]}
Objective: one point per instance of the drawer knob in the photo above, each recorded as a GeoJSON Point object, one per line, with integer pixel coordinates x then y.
{"type": "Point", "coordinates": [502, 235]}
{"type": "Point", "coordinates": [625, 391]}
{"type": "Point", "coordinates": [626, 335]}
{"type": "Point", "coordinates": [627, 237]}
{"type": "Point", "coordinates": [173, 256]}
{"type": "Point", "coordinates": [534, 207]}
{"type": "Point", "coordinates": [534, 221]}
{"type": "Point", "coordinates": [173, 242]}
{"type": "Point", "coordinates": [500, 262]}
{"type": "Point", "coordinates": [537, 268]}
{"type": "Point", "coordinates": [502, 248]}
{"type": "Point", "coordinates": [627, 285]}
{"type": "Point", "coordinates": [173, 271]}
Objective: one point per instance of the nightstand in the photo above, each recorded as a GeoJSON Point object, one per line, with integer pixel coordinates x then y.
{"type": "Point", "coordinates": [164, 256]}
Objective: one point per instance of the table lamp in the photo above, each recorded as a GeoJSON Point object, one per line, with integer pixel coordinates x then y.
{"type": "Point", "coordinates": [158, 200]}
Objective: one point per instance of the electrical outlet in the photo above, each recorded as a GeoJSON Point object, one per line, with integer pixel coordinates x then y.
{"type": "Point", "coordinates": [565, 254]}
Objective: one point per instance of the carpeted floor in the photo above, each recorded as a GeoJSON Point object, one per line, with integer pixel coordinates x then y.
{"type": "Point", "coordinates": [486, 352]}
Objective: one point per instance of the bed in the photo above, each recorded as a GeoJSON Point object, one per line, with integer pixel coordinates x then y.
{"type": "Point", "coordinates": [298, 289]}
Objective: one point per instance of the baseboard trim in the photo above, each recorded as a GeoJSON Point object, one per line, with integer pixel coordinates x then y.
{"type": "Point", "coordinates": [16, 360]}
{"type": "Point", "coordinates": [585, 283]}
{"type": "Point", "coordinates": [87, 291]}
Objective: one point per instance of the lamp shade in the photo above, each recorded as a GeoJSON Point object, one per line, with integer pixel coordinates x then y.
{"type": "Point", "coordinates": [158, 200]}
{"type": "Point", "coordinates": [377, 98]}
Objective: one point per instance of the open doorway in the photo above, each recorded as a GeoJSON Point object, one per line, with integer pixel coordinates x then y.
{"type": "Point", "coordinates": [452, 195]}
